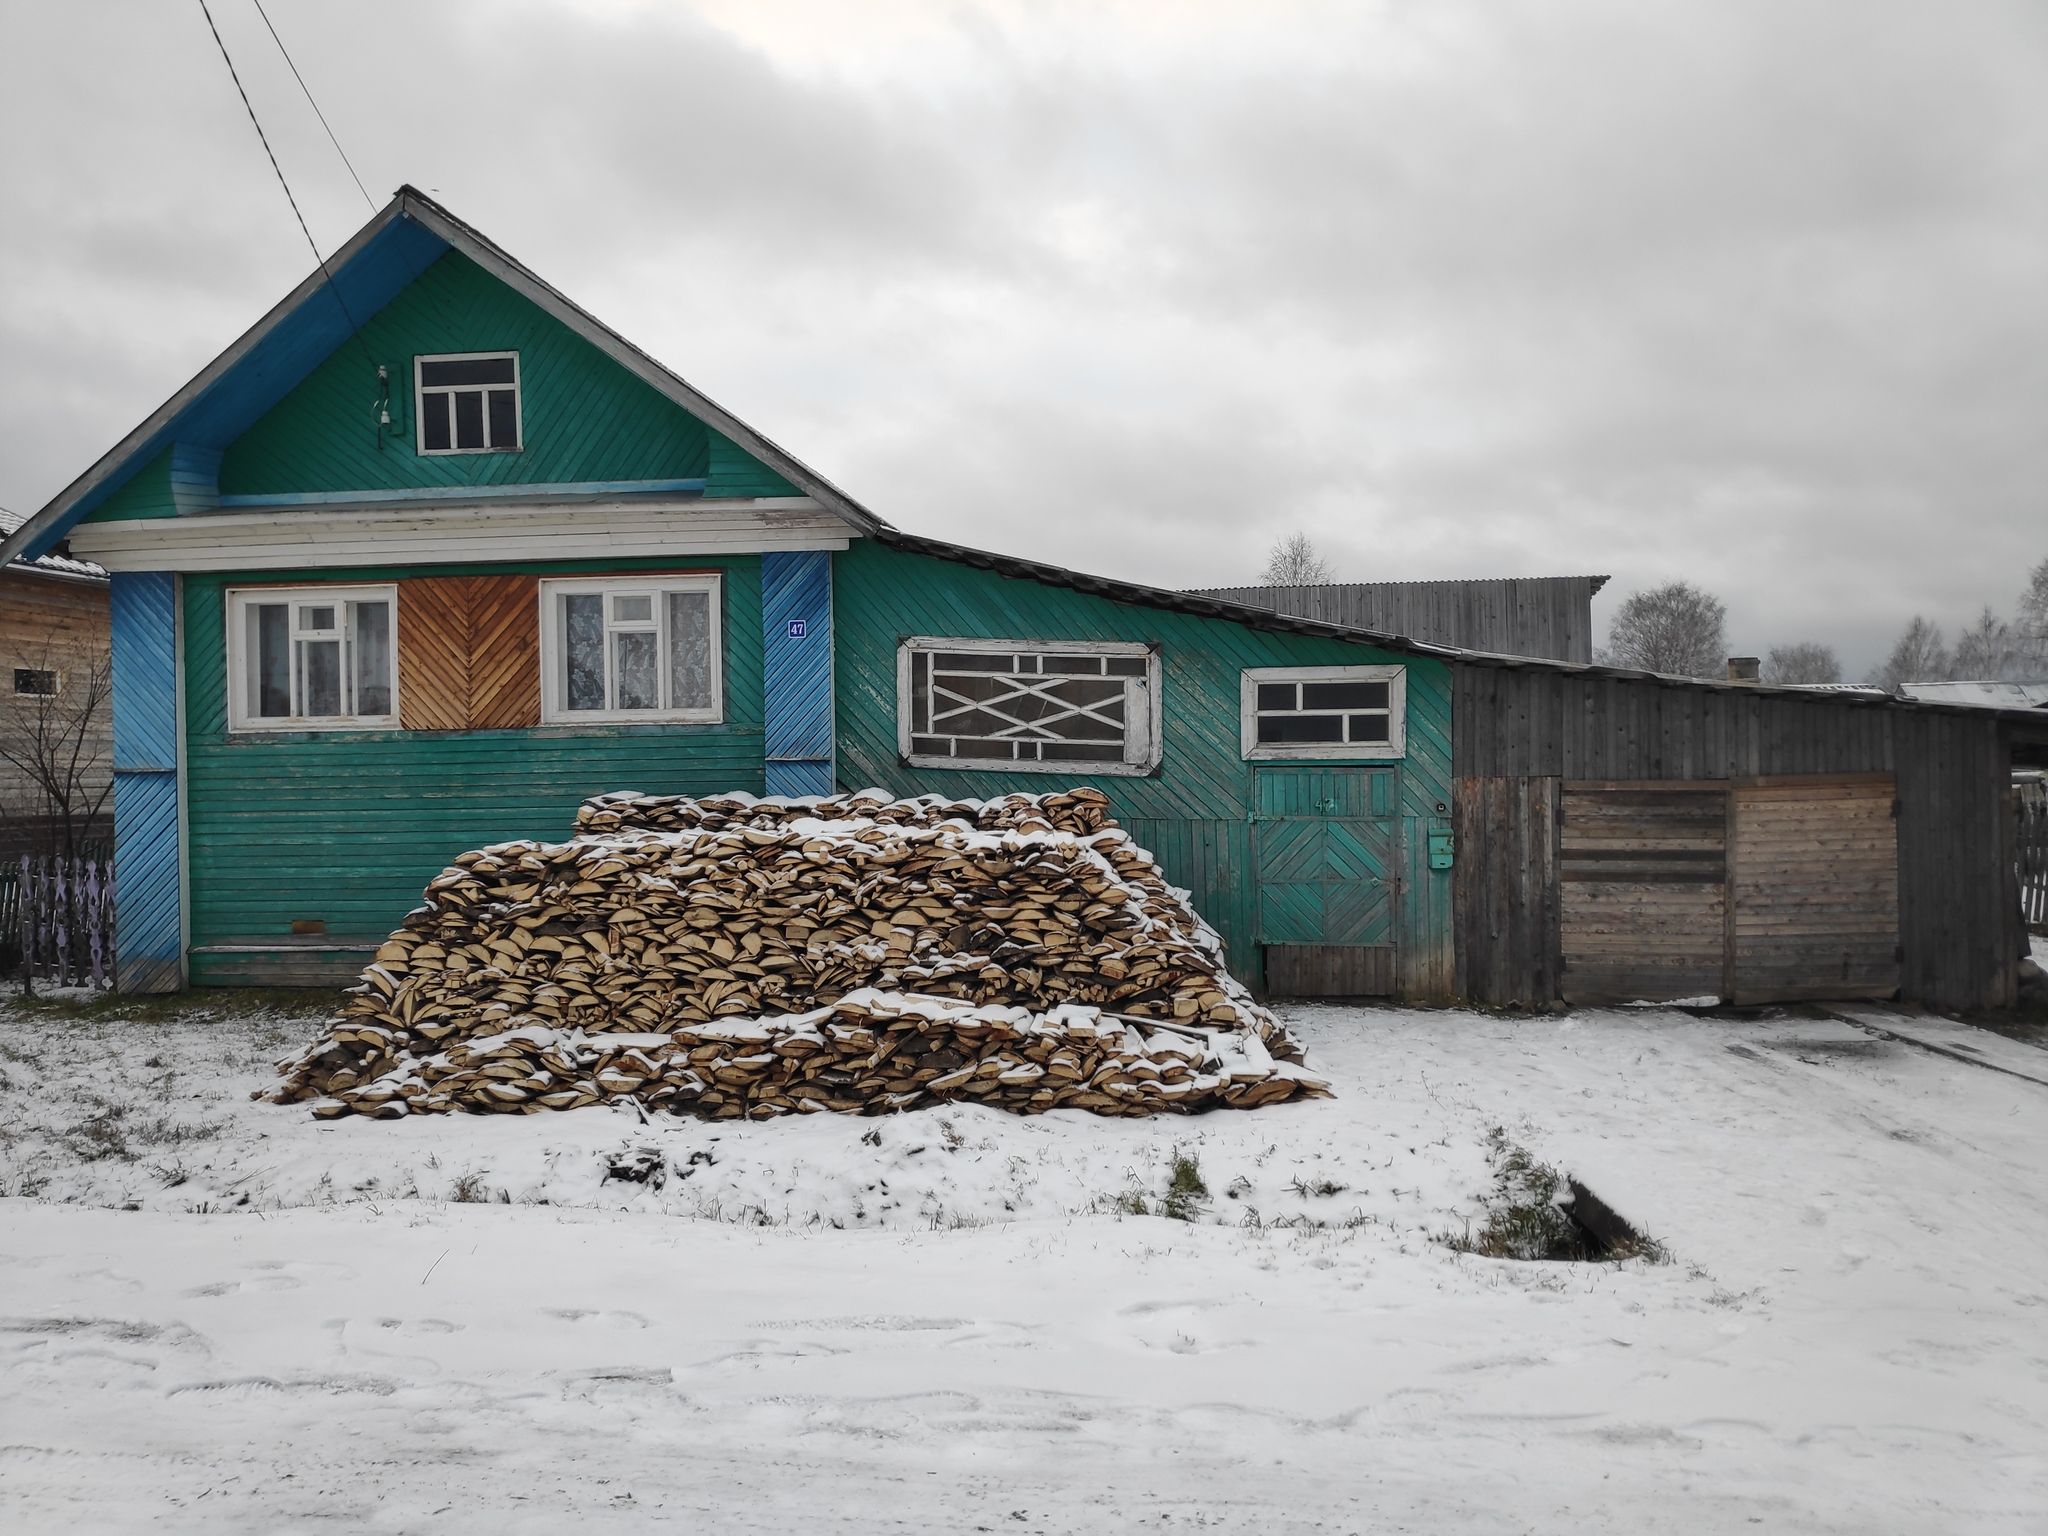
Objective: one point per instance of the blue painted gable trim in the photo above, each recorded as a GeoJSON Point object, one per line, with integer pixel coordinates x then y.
{"type": "Point", "coordinates": [148, 930]}
{"type": "Point", "coordinates": [796, 674]}
{"type": "Point", "coordinates": [274, 357]}
{"type": "Point", "coordinates": [195, 478]}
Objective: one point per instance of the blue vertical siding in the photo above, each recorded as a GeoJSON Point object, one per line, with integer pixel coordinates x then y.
{"type": "Point", "coordinates": [147, 940]}
{"type": "Point", "coordinates": [796, 678]}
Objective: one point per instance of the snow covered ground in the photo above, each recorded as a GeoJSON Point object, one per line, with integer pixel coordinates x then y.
{"type": "Point", "coordinates": [221, 1315]}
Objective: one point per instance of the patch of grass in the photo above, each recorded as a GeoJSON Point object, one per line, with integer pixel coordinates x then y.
{"type": "Point", "coordinates": [1322, 1189]}
{"type": "Point", "coordinates": [197, 1004]}
{"type": "Point", "coordinates": [470, 1189]}
{"type": "Point", "coordinates": [1523, 1220]}
{"type": "Point", "coordinates": [1185, 1191]}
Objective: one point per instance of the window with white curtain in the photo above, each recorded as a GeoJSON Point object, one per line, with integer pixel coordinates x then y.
{"type": "Point", "coordinates": [622, 649]}
{"type": "Point", "coordinates": [312, 658]}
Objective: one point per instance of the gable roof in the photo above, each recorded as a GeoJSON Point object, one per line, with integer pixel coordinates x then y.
{"type": "Point", "coordinates": [407, 235]}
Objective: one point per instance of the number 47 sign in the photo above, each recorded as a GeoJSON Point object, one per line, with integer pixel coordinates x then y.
{"type": "Point", "coordinates": [799, 629]}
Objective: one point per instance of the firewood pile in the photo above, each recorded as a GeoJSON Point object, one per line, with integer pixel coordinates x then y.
{"type": "Point", "coordinates": [733, 957]}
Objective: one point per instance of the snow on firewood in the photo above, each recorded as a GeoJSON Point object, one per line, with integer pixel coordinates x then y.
{"type": "Point", "coordinates": [733, 956]}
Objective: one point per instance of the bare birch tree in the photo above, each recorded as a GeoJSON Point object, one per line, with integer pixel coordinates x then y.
{"type": "Point", "coordinates": [1919, 656]}
{"type": "Point", "coordinates": [1804, 662]}
{"type": "Point", "coordinates": [53, 733]}
{"type": "Point", "coordinates": [1675, 629]}
{"type": "Point", "coordinates": [1296, 562]}
{"type": "Point", "coordinates": [1992, 650]}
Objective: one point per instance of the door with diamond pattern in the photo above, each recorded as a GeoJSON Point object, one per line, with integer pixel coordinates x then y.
{"type": "Point", "coordinates": [1324, 843]}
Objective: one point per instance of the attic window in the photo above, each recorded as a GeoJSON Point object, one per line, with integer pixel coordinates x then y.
{"type": "Point", "coordinates": [468, 402]}
{"type": "Point", "coordinates": [35, 680]}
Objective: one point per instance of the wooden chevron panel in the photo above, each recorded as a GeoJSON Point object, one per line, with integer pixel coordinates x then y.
{"type": "Point", "coordinates": [504, 652]}
{"type": "Point", "coordinates": [433, 653]}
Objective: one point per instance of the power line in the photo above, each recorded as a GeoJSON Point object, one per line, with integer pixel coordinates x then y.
{"type": "Point", "coordinates": [353, 329]}
{"type": "Point", "coordinates": [309, 102]}
{"type": "Point", "coordinates": [260, 134]}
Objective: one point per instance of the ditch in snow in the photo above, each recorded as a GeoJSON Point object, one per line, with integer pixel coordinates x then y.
{"type": "Point", "coordinates": [1537, 1213]}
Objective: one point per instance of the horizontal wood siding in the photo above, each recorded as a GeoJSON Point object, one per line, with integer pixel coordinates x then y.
{"type": "Point", "coordinates": [348, 827]}
{"type": "Point", "coordinates": [1204, 784]}
{"type": "Point", "coordinates": [60, 624]}
{"type": "Point", "coordinates": [1814, 886]}
{"type": "Point", "coordinates": [1507, 890]}
{"type": "Point", "coordinates": [1958, 897]}
{"type": "Point", "coordinates": [1642, 900]}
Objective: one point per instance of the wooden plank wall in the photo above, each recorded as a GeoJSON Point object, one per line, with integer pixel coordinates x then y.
{"type": "Point", "coordinates": [1331, 970]}
{"type": "Point", "coordinates": [1813, 890]}
{"type": "Point", "coordinates": [469, 652]}
{"type": "Point", "coordinates": [1548, 616]}
{"type": "Point", "coordinates": [1506, 890]}
{"type": "Point", "coordinates": [1958, 897]}
{"type": "Point", "coordinates": [1643, 892]}
{"type": "Point", "coordinates": [58, 623]}
{"type": "Point", "coordinates": [1194, 812]}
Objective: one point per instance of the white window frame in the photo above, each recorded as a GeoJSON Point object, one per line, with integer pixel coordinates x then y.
{"type": "Point", "coordinates": [1141, 724]}
{"type": "Point", "coordinates": [1395, 746]}
{"type": "Point", "coordinates": [241, 599]}
{"type": "Point", "coordinates": [554, 709]}
{"type": "Point", "coordinates": [420, 390]}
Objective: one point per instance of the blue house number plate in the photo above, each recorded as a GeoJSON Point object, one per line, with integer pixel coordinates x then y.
{"type": "Point", "coordinates": [799, 629]}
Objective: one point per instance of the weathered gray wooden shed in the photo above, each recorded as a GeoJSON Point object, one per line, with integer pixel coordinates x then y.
{"type": "Point", "coordinates": [1624, 835]}
{"type": "Point", "coordinates": [1547, 616]}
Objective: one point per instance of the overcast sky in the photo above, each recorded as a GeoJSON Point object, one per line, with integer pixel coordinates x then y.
{"type": "Point", "coordinates": [1751, 294]}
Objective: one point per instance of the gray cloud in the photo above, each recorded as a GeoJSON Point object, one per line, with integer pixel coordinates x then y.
{"type": "Point", "coordinates": [1747, 293]}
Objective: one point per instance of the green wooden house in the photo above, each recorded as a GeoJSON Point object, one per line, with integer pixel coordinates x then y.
{"type": "Point", "coordinates": [430, 555]}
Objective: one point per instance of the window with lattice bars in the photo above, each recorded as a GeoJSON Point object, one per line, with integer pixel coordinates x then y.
{"type": "Point", "coordinates": [1032, 706]}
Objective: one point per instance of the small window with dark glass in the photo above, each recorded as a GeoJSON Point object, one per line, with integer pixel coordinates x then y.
{"type": "Point", "coordinates": [35, 680]}
{"type": "Point", "coordinates": [468, 402]}
{"type": "Point", "coordinates": [1324, 711]}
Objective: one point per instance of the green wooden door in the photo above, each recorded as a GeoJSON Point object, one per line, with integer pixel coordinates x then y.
{"type": "Point", "coordinates": [1324, 852]}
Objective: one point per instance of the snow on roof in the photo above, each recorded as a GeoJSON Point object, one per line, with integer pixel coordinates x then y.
{"type": "Point", "coordinates": [54, 564]}
{"type": "Point", "coordinates": [1983, 695]}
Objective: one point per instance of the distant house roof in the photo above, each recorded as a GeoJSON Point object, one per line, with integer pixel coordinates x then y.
{"type": "Point", "coordinates": [53, 564]}
{"type": "Point", "coordinates": [1980, 695]}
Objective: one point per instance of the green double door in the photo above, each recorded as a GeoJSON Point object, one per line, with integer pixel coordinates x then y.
{"type": "Point", "coordinates": [1324, 844]}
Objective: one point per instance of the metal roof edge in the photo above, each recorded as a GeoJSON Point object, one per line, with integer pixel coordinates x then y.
{"type": "Point", "coordinates": [1326, 586]}
{"type": "Point", "coordinates": [481, 249]}
{"type": "Point", "coordinates": [49, 520]}
{"type": "Point", "coordinates": [1265, 618]}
